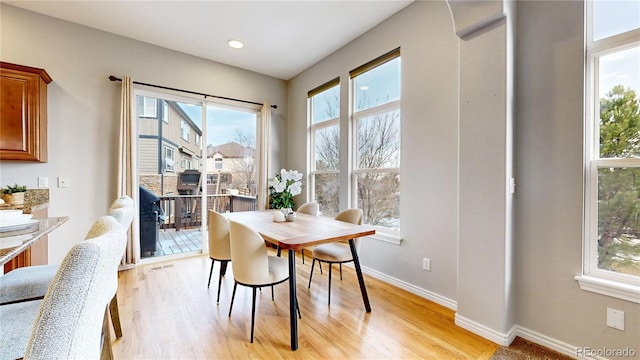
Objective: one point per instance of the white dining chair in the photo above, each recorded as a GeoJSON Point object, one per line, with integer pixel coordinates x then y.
{"type": "Point", "coordinates": [336, 252]}
{"type": "Point", "coordinates": [219, 247]}
{"type": "Point", "coordinates": [31, 282]}
{"type": "Point", "coordinates": [69, 322]}
{"type": "Point", "coordinates": [252, 265]}
{"type": "Point", "coordinates": [311, 208]}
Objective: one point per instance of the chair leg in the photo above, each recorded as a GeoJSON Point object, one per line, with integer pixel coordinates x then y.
{"type": "Point", "coordinates": [340, 271]}
{"type": "Point", "coordinates": [219, 280]}
{"type": "Point", "coordinates": [320, 266]}
{"type": "Point", "coordinates": [210, 272]}
{"type": "Point", "coordinates": [253, 313]}
{"type": "Point", "coordinates": [223, 267]}
{"type": "Point", "coordinates": [279, 251]}
{"type": "Point", "coordinates": [272, 298]}
{"type": "Point", "coordinates": [115, 316]}
{"type": "Point", "coordinates": [313, 263]}
{"type": "Point", "coordinates": [233, 295]}
{"type": "Point", "coordinates": [106, 353]}
{"type": "Point", "coordinates": [329, 297]}
{"type": "Point", "coordinates": [298, 308]}
{"type": "Point", "coordinates": [302, 256]}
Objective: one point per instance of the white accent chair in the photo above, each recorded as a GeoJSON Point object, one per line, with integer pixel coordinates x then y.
{"type": "Point", "coordinates": [311, 208]}
{"type": "Point", "coordinates": [337, 252]}
{"type": "Point", "coordinates": [252, 265]}
{"type": "Point", "coordinates": [31, 282]}
{"type": "Point", "coordinates": [219, 247]}
{"type": "Point", "coordinates": [69, 321]}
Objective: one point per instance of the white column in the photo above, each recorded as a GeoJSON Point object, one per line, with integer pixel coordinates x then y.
{"type": "Point", "coordinates": [485, 295]}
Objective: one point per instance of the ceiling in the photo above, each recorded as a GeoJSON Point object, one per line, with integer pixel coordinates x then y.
{"type": "Point", "coordinates": [281, 38]}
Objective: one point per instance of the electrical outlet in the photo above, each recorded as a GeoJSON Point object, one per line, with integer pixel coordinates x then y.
{"type": "Point", "coordinates": [64, 182]}
{"type": "Point", "coordinates": [615, 319]}
{"type": "Point", "coordinates": [426, 264]}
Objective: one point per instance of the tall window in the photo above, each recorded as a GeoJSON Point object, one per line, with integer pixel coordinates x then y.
{"type": "Point", "coordinates": [324, 107]}
{"type": "Point", "coordinates": [165, 111]}
{"type": "Point", "coordinates": [185, 130]}
{"type": "Point", "coordinates": [612, 153]}
{"type": "Point", "coordinates": [169, 159]}
{"type": "Point", "coordinates": [376, 140]}
{"type": "Point", "coordinates": [147, 107]}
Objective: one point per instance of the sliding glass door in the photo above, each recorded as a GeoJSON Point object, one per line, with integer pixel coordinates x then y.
{"type": "Point", "coordinates": [190, 161]}
{"type": "Point", "coordinates": [231, 158]}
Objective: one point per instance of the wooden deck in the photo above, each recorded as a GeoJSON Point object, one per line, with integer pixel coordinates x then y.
{"type": "Point", "coordinates": [172, 242]}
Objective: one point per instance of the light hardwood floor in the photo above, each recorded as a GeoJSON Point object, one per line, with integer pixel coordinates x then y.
{"type": "Point", "coordinates": [167, 312]}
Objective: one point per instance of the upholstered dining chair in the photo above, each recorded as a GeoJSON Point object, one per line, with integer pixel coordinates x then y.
{"type": "Point", "coordinates": [311, 208]}
{"type": "Point", "coordinates": [252, 265]}
{"type": "Point", "coordinates": [219, 247]}
{"type": "Point", "coordinates": [337, 252]}
{"type": "Point", "coordinates": [31, 282]}
{"type": "Point", "coordinates": [68, 322]}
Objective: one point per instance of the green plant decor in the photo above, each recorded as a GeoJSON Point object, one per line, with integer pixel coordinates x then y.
{"type": "Point", "coordinates": [11, 189]}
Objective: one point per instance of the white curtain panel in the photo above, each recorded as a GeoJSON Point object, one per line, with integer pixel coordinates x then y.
{"type": "Point", "coordinates": [126, 165]}
{"type": "Point", "coordinates": [265, 146]}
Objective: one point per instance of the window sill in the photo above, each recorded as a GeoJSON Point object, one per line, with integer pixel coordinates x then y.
{"type": "Point", "coordinates": [610, 288]}
{"type": "Point", "coordinates": [389, 238]}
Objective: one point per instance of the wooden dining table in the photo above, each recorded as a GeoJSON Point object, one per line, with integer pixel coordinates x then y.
{"type": "Point", "coordinates": [305, 231]}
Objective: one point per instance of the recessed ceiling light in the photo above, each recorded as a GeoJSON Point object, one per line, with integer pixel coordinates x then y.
{"type": "Point", "coordinates": [364, 87]}
{"type": "Point", "coordinates": [235, 44]}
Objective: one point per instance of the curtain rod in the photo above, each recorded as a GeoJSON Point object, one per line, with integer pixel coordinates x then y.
{"type": "Point", "coordinates": [113, 78]}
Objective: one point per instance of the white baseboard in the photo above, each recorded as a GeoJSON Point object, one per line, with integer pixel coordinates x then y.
{"type": "Point", "coordinates": [436, 298]}
{"type": "Point", "coordinates": [503, 339]}
{"type": "Point", "coordinates": [550, 343]}
{"type": "Point", "coordinates": [499, 338]}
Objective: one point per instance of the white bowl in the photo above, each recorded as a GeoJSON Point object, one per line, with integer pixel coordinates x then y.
{"type": "Point", "coordinates": [5, 214]}
{"type": "Point", "coordinates": [17, 220]}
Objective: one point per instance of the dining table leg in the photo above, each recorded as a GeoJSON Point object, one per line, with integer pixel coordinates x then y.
{"type": "Point", "coordinates": [292, 300]}
{"type": "Point", "coordinates": [356, 264]}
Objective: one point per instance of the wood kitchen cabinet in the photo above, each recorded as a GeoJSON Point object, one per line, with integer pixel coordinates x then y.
{"type": "Point", "coordinates": [23, 112]}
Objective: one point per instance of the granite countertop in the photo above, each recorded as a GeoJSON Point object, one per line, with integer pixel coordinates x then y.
{"type": "Point", "coordinates": [34, 199]}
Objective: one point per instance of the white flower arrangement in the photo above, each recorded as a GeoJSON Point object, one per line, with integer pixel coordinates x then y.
{"type": "Point", "coordinates": [283, 187]}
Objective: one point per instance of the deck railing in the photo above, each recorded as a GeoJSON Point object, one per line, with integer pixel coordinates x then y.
{"type": "Point", "coordinates": [183, 211]}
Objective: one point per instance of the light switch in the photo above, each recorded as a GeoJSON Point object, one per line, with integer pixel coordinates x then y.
{"type": "Point", "coordinates": [43, 182]}
{"type": "Point", "coordinates": [64, 182]}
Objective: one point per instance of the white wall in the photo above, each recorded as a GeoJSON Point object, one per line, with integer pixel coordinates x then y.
{"type": "Point", "coordinates": [428, 209]}
{"type": "Point", "coordinates": [550, 308]}
{"type": "Point", "coordinates": [84, 107]}
{"type": "Point", "coordinates": [549, 128]}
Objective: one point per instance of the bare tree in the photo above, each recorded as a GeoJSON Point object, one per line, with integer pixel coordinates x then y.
{"type": "Point", "coordinates": [244, 168]}
{"type": "Point", "coordinates": [378, 151]}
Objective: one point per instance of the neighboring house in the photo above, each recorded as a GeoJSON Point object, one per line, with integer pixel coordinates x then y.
{"type": "Point", "coordinates": [234, 164]}
{"type": "Point", "coordinates": [168, 144]}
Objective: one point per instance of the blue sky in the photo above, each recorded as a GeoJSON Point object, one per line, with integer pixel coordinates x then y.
{"type": "Point", "coordinates": [223, 124]}
{"type": "Point", "coordinates": [622, 67]}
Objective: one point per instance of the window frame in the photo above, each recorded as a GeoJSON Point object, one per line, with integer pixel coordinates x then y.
{"type": "Point", "coordinates": [165, 111]}
{"type": "Point", "coordinates": [382, 232]}
{"type": "Point", "coordinates": [605, 282]}
{"type": "Point", "coordinates": [185, 128]}
{"type": "Point", "coordinates": [313, 129]}
{"type": "Point", "coordinates": [166, 150]}
{"type": "Point", "coordinates": [142, 111]}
